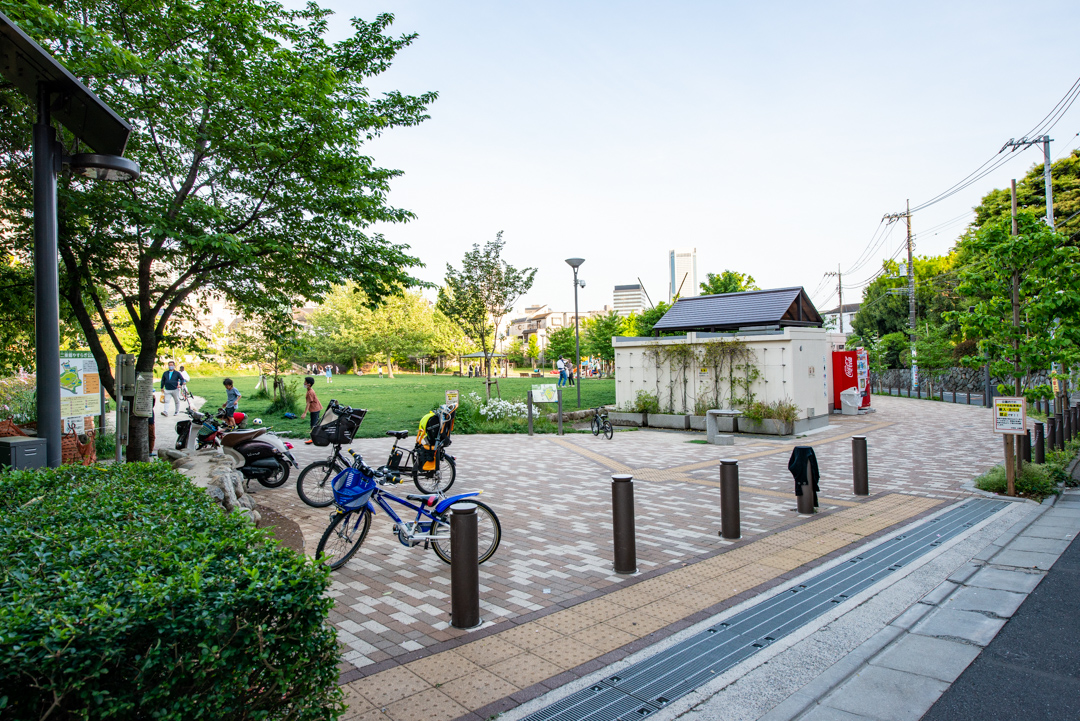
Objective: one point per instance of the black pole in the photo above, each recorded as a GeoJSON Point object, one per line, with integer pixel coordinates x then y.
{"type": "Point", "coordinates": [1059, 439]}
{"type": "Point", "coordinates": [860, 475]}
{"type": "Point", "coordinates": [805, 503]}
{"type": "Point", "coordinates": [729, 499]}
{"type": "Point", "coordinates": [622, 518]}
{"type": "Point", "coordinates": [1040, 444]}
{"type": "Point", "coordinates": [464, 567]}
{"type": "Point", "coordinates": [558, 395]}
{"type": "Point", "coordinates": [1025, 445]}
{"type": "Point", "coordinates": [46, 283]}
{"type": "Point", "coordinates": [528, 401]}
{"type": "Point", "coordinates": [577, 341]}
{"type": "Point", "coordinates": [1051, 432]}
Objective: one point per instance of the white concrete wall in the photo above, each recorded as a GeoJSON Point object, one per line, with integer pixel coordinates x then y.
{"type": "Point", "coordinates": [794, 365]}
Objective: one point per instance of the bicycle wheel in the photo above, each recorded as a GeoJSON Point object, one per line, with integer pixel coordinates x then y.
{"type": "Point", "coordinates": [608, 430]}
{"type": "Point", "coordinates": [437, 481]}
{"type": "Point", "coordinates": [488, 532]}
{"type": "Point", "coordinates": [595, 425]}
{"type": "Point", "coordinates": [279, 476]}
{"type": "Point", "coordinates": [342, 538]}
{"type": "Point", "coordinates": [313, 485]}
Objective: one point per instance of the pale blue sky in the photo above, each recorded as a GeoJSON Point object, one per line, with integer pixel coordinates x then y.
{"type": "Point", "coordinates": [770, 136]}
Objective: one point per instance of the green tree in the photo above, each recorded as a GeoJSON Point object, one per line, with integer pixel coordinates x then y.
{"type": "Point", "coordinates": [885, 309]}
{"type": "Point", "coordinates": [338, 329]}
{"type": "Point", "coordinates": [599, 331]}
{"type": "Point", "coordinates": [727, 282]}
{"type": "Point", "coordinates": [402, 325]}
{"type": "Point", "coordinates": [933, 353]}
{"type": "Point", "coordinates": [249, 129]}
{"type": "Point", "coordinates": [515, 352]}
{"type": "Point", "coordinates": [482, 292]}
{"type": "Point", "coordinates": [269, 340]}
{"type": "Point", "coordinates": [560, 343]}
{"type": "Point", "coordinates": [1031, 195]}
{"type": "Point", "coordinates": [532, 350]}
{"type": "Point", "coordinates": [646, 319]}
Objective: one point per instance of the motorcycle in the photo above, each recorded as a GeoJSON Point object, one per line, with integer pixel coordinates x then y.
{"type": "Point", "coordinates": [256, 453]}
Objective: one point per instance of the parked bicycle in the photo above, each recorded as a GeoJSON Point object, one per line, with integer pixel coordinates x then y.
{"type": "Point", "coordinates": [601, 424]}
{"type": "Point", "coordinates": [357, 493]}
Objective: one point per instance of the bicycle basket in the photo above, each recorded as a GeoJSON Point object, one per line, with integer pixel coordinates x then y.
{"type": "Point", "coordinates": [337, 429]}
{"type": "Point", "coordinates": [352, 489]}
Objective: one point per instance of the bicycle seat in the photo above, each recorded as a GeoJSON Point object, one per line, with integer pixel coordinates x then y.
{"type": "Point", "coordinates": [398, 434]}
{"type": "Point", "coordinates": [429, 499]}
{"type": "Point", "coordinates": [232, 438]}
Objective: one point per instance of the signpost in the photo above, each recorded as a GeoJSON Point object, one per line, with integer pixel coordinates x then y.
{"type": "Point", "coordinates": [452, 399]}
{"type": "Point", "coordinates": [80, 396]}
{"type": "Point", "coordinates": [545, 393]}
{"type": "Point", "coordinates": [1010, 419]}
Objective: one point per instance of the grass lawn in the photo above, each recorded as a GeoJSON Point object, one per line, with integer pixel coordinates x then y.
{"type": "Point", "coordinates": [396, 404]}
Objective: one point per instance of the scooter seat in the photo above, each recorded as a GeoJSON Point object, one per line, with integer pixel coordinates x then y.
{"type": "Point", "coordinates": [398, 434]}
{"type": "Point", "coordinates": [234, 437]}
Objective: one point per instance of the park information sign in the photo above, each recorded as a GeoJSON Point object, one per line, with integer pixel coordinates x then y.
{"type": "Point", "coordinates": [545, 393]}
{"type": "Point", "coordinates": [79, 389]}
{"type": "Point", "coordinates": [1010, 416]}
{"type": "Point", "coordinates": [452, 399]}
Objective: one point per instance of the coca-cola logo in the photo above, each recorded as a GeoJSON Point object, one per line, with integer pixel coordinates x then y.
{"type": "Point", "coordinates": [849, 367]}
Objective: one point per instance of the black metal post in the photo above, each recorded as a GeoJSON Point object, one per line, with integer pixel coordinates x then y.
{"type": "Point", "coordinates": [1059, 437]}
{"type": "Point", "coordinates": [729, 500]}
{"type": "Point", "coordinates": [577, 341]}
{"type": "Point", "coordinates": [464, 567]}
{"type": "Point", "coordinates": [1067, 416]}
{"type": "Point", "coordinates": [805, 502]}
{"type": "Point", "coordinates": [1025, 446]}
{"type": "Point", "coordinates": [1051, 432]}
{"type": "Point", "coordinates": [529, 403]}
{"type": "Point", "coordinates": [1040, 443]}
{"type": "Point", "coordinates": [46, 282]}
{"type": "Point", "coordinates": [859, 472]}
{"type": "Point", "coordinates": [622, 521]}
{"type": "Point", "coordinates": [558, 395]}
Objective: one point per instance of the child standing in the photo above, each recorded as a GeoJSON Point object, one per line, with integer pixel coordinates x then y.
{"type": "Point", "coordinates": [329, 374]}
{"type": "Point", "coordinates": [232, 398]}
{"type": "Point", "coordinates": [311, 405]}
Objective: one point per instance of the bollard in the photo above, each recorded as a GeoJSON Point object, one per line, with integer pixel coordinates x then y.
{"type": "Point", "coordinates": [1067, 424]}
{"type": "Point", "coordinates": [1059, 437]}
{"type": "Point", "coordinates": [622, 518]}
{"type": "Point", "coordinates": [729, 499]}
{"type": "Point", "coordinates": [805, 502]}
{"type": "Point", "coordinates": [858, 466]}
{"type": "Point", "coordinates": [1040, 444]}
{"type": "Point", "coordinates": [1025, 446]}
{"type": "Point", "coordinates": [528, 403]}
{"type": "Point", "coordinates": [1051, 433]}
{"type": "Point", "coordinates": [559, 392]}
{"type": "Point", "coordinates": [464, 567]}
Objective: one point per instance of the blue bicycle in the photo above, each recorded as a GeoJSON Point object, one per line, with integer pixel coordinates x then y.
{"type": "Point", "coordinates": [357, 492]}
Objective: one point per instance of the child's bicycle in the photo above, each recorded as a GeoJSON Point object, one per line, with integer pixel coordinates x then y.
{"type": "Point", "coordinates": [601, 424]}
{"type": "Point", "coordinates": [357, 492]}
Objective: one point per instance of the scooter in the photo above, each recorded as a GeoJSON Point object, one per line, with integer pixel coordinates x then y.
{"type": "Point", "coordinates": [255, 452]}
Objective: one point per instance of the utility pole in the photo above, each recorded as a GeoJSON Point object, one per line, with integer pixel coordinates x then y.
{"type": "Point", "coordinates": [839, 292]}
{"type": "Point", "coordinates": [906, 215]}
{"type": "Point", "coordinates": [1047, 180]}
{"type": "Point", "coordinates": [1011, 473]}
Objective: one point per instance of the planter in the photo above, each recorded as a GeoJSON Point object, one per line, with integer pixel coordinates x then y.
{"type": "Point", "coordinates": [766, 426]}
{"type": "Point", "coordinates": [697, 423]}
{"type": "Point", "coordinates": [637, 420]}
{"type": "Point", "coordinates": [664, 420]}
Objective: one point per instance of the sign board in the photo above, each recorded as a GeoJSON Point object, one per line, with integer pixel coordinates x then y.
{"type": "Point", "coordinates": [144, 395]}
{"type": "Point", "coordinates": [452, 399]}
{"type": "Point", "coordinates": [80, 388]}
{"type": "Point", "coordinates": [1056, 386]}
{"type": "Point", "coordinates": [545, 393]}
{"type": "Point", "coordinates": [1010, 416]}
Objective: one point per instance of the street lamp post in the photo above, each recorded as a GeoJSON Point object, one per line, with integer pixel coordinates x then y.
{"type": "Point", "coordinates": [575, 263]}
{"type": "Point", "coordinates": [57, 95]}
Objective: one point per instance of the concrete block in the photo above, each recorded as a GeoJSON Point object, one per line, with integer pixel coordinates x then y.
{"type": "Point", "coordinates": [1040, 545]}
{"type": "Point", "coordinates": [925, 656]}
{"type": "Point", "coordinates": [962, 574]}
{"type": "Point", "coordinates": [827, 713]}
{"type": "Point", "coordinates": [1001, 579]}
{"type": "Point", "coordinates": [939, 594]}
{"type": "Point", "coordinates": [1025, 559]}
{"type": "Point", "coordinates": [1002, 604]}
{"type": "Point", "coordinates": [697, 423]}
{"type": "Point", "coordinates": [972, 627]}
{"type": "Point", "coordinates": [910, 617]}
{"type": "Point", "coordinates": [887, 694]}
{"type": "Point", "coordinates": [719, 440]}
{"type": "Point", "coordinates": [667, 420]}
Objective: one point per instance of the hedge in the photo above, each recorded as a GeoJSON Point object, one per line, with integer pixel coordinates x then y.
{"type": "Point", "coordinates": [126, 593]}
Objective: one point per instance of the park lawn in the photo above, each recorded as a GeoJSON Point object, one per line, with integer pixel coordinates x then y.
{"type": "Point", "coordinates": [396, 404]}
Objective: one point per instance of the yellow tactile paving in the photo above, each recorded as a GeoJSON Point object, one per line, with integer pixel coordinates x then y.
{"type": "Point", "coordinates": [451, 683]}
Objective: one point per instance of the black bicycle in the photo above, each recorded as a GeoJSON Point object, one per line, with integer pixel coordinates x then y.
{"type": "Point", "coordinates": [601, 424]}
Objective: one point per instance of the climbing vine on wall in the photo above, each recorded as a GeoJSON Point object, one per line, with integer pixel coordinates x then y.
{"type": "Point", "coordinates": [734, 363]}
{"type": "Point", "coordinates": [679, 358]}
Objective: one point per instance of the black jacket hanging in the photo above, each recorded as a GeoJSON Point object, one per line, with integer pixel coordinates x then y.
{"type": "Point", "coordinates": [797, 465]}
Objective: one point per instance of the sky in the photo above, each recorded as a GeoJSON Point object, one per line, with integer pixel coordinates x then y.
{"type": "Point", "coordinates": [770, 136]}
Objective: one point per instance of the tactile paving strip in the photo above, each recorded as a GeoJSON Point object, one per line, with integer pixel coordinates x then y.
{"type": "Point", "coordinates": [651, 684]}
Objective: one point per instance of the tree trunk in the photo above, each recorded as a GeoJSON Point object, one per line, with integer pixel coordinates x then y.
{"type": "Point", "coordinates": [138, 449]}
{"type": "Point", "coordinates": [355, 367]}
{"type": "Point", "coordinates": [389, 365]}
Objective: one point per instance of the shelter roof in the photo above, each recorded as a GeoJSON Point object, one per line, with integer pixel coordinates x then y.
{"type": "Point", "coordinates": [784, 307]}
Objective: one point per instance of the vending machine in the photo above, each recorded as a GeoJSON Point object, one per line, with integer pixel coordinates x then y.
{"type": "Point", "coordinates": [851, 369]}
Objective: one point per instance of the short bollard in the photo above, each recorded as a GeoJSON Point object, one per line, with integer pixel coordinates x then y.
{"type": "Point", "coordinates": [1059, 437]}
{"type": "Point", "coordinates": [529, 405]}
{"type": "Point", "coordinates": [804, 469]}
{"type": "Point", "coordinates": [1051, 433]}
{"type": "Point", "coordinates": [464, 567]}
{"type": "Point", "coordinates": [729, 500]}
{"type": "Point", "coordinates": [859, 472]}
{"type": "Point", "coordinates": [1067, 425]}
{"type": "Point", "coordinates": [1040, 444]}
{"type": "Point", "coordinates": [559, 402]}
{"type": "Point", "coordinates": [622, 517]}
{"type": "Point", "coordinates": [1025, 446]}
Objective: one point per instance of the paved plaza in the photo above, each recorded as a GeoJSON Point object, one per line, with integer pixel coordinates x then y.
{"type": "Point", "coordinates": [550, 602]}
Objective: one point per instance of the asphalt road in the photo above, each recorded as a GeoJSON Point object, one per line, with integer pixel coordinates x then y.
{"type": "Point", "coordinates": [1031, 670]}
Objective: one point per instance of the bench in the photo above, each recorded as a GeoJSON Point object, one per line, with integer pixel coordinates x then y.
{"type": "Point", "coordinates": [721, 421]}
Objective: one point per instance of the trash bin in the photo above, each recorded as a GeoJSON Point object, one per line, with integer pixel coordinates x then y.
{"type": "Point", "coordinates": [850, 400]}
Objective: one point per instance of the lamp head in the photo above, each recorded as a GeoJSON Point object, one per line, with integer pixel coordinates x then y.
{"type": "Point", "coordinates": [574, 262]}
{"type": "Point", "coordinates": [104, 167]}
{"type": "Point", "coordinates": [581, 283]}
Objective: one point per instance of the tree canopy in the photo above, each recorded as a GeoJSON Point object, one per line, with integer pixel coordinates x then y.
{"type": "Point", "coordinates": [883, 312]}
{"type": "Point", "coordinates": [599, 330]}
{"type": "Point", "coordinates": [1031, 195]}
{"type": "Point", "coordinates": [727, 282]}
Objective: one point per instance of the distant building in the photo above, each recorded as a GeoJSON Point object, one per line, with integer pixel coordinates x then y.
{"type": "Point", "coordinates": [539, 320]}
{"type": "Point", "coordinates": [682, 269]}
{"type": "Point", "coordinates": [629, 299]}
{"type": "Point", "coordinates": [832, 317]}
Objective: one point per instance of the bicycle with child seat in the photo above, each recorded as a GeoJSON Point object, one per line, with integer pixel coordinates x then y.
{"type": "Point", "coordinates": [601, 424]}
{"type": "Point", "coordinates": [358, 494]}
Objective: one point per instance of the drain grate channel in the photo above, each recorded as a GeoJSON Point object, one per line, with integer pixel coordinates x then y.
{"type": "Point", "coordinates": [651, 684]}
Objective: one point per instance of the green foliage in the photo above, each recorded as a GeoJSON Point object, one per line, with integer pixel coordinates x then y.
{"type": "Point", "coordinates": [105, 445]}
{"type": "Point", "coordinates": [1034, 481]}
{"type": "Point", "coordinates": [727, 282]}
{"type": "Point", "coordinates": [515, 352]}
{"type": "Point", "coordinates": [598, 332]}
{"type": "Point", "coordinates": [249, 128]}
{"type": "Point", "coordinates": [644, 321]}
{"type": "Point", "coordinates": [644, 402]}
{"type": "Point", "coordinates": [561, 342]}
{"type": "Point", "coordinates": [784, 410]}
{"type": "Point", "coordinates": [883, 313]}
{"type": "Point", "coordinates": [129, 594]}
{"type": "Point", "coordinates": [933, 354]}
{"type": "Point", "coordinates": [269, 341]}
{"type": "Point", "coordinates": [18, 399]}
{"type": "Point", "coordinates": [680, 359]}
{"type": "Point", "coordinates": [286, 397]}
{"type": "Point", "coordinates": [723, 357]}
{"type": "Point", "coordinates": [532, 351]}
{"type": "Point", "coordinates": [1031, 195]}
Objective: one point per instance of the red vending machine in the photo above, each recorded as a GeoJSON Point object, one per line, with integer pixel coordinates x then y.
{"type": "Point", "coordinates": [851, 369]}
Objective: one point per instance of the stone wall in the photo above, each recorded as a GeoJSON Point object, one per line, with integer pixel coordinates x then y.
{"type": "Point", "coordinates": [964, 380]}
{"type": "Point", "coordinates": [212, 470]}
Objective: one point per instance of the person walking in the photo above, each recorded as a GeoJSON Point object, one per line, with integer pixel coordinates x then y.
{"type": "Point", "coordinates": [561, 365]}
{"type": "Point", "coordinates": [170, 388]}
{"type": "Point", "coordinates": [311, 403]}
{"type": "Point", "coordinates": [329, 374]}
{"type": "Point", "coordinates": [570, 373]}
{"type": "Point", "coordinates": [232, 400]}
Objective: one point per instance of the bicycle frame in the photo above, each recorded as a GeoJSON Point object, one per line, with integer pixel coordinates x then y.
{"type": "Point", "coordinates": [380, 496]}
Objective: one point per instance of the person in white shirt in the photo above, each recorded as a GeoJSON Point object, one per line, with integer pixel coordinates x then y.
{"type": "Point", "coordinates": [561, 365]}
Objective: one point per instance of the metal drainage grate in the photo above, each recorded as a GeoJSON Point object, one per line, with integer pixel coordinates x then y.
{"type": "Point", "coordinates": [651, 684]}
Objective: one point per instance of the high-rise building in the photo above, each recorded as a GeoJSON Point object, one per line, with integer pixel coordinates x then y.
{"type": "Point", "coordinates": [682, 266]}
{"type": "Point", "coordinates": [629, 299]}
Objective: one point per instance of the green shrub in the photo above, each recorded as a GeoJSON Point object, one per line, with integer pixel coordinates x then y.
{"type": "Point", "coordinates": [1035, 481]}
{"type": "Point", "coordinates": [129, 594]}
{"type": "Point", "coordinates": [784, 410]}
{"type": "Point", "coordinates": [287, 397]}
{"type": "Point", "coordinates": [18, 399]}
{"type": "Point", "coordinates": [105, 444]}
{"type": "Point", "coordinates": [644, 402]}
